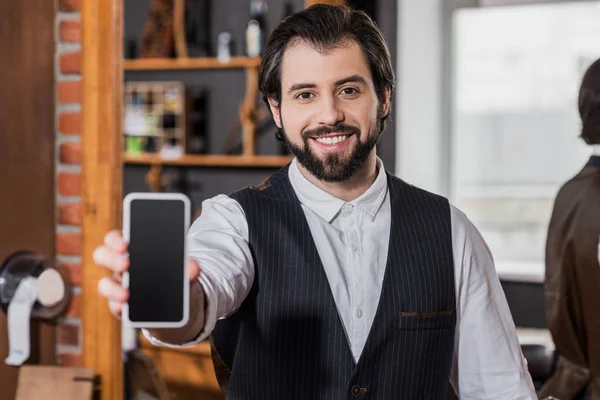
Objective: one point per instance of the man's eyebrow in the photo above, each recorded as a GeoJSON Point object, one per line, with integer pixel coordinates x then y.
{"type": "Point", "coordinates": [299, 86]}
{"type": "Point", "coordinates": [353, 78]}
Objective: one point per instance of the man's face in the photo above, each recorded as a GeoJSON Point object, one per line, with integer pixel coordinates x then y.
{"type": "Point", "coordinates": [329, 111]}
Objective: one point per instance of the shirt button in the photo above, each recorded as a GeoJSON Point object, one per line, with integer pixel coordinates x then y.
{"type": "Point", "coordinates": [358, 313]}
{"type": "Point", "coordinates": [355, 390]}
{"type": "Point", "coordinates": [354, 248]}
{"type": "Point", "coordinates": [348, 208]}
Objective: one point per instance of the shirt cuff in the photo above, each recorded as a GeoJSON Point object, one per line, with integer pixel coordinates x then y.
{"type": "Point", "coordinates": [210, 318]}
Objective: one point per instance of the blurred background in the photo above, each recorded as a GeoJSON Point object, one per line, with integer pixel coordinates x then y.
{"type": "Point", "coordinates": [485, 113]}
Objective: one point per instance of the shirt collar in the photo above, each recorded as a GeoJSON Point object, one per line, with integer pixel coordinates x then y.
{"type": "Point", "coordinates": [327, 206]}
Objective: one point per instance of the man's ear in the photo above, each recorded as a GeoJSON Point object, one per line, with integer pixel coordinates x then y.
{"type": "Point", "coordinates": [386, 103]}
{"type": "Point", "coordinates": [274, 106]}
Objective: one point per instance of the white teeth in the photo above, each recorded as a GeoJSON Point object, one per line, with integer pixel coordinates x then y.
{"type": "Point", "coordinates": [332, 140]}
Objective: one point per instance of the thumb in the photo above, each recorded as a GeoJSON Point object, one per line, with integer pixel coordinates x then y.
{"type": "Point", "coordinates": [193, 269]}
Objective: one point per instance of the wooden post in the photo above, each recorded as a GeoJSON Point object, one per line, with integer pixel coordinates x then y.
{"type": "Point", "coordinates": [179, 29]}
{"type": "Point", "coordinates": [101, 183]}
{"type": "Point", "coordinates": [248, 111]}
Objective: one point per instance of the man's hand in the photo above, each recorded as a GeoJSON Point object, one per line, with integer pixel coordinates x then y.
{"type": "Point", "coordinates": [113, 255]}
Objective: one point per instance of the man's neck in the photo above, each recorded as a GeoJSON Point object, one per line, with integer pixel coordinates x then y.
{"type": "Point", "coordinates": [352, 188]}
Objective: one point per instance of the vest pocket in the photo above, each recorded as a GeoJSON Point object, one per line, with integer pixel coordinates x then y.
{"type": "Point", "coordinates": [425, 320]}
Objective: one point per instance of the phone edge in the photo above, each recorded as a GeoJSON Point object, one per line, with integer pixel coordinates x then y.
{"type": "Point", "coordinates": [186, 285]}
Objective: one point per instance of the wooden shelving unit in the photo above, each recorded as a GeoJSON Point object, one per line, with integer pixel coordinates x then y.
{"type": "Point", "coordinates": [158, 64]}
{"type": "Point", "coordinates": [247, 108]}
{"type": "Point", "coordinates": [210, 160]}
{"type": "Point", "coordinates": [156, 179]}
{"type": "Point", "coordinates": [247, 117]}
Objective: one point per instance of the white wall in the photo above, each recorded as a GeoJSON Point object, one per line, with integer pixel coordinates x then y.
{"type": "Point", "coordinates": [420, 140]}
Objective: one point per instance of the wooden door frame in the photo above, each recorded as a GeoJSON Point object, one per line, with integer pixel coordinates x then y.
{"type": "Point", "coordinates": [102, 77]}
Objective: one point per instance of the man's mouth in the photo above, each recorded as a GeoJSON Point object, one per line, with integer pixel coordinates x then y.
{"type": "Point", "coordinates": [331, 140]}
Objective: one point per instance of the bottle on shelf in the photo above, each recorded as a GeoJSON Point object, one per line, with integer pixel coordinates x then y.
{"type": "Point", "coordinates": [134, 124]}
{"type": "Point", "coordinates": [198, 25]}
{"type": "Point", "coordinates": [255, 31]}
{"type": "Point", "coordinates": [172, 131]}
{"type": "Point", "coordinates": [224, 47]}
{"type": "Point", "coordinates": [253, 39]}
{"type": "Point", "coordinates": [198, 122]}
{"type": "Point", "coordinates": [171, 149]}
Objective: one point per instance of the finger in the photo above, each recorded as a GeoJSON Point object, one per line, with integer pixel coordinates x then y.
{"type": "Point", "coordinates": [114, 240]}
{"type": "Point", "coordinates": [112, 290]}
{"type": "Point", "coordinates": [116, 308]}
{"type": "Point", "coordinates": [106, 257]}
{"type": "Point", "coordinates": [118, 278]}
{"type": "Point", "coordinates": [193, 269]}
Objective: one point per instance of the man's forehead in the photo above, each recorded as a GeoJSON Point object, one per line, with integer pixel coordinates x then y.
{"type": "Point", "coordinates": [302, 61]}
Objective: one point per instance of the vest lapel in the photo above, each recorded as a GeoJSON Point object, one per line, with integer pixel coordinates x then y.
{"type": "Point", "coordinates": [387, 300]}
{"type": "Point", "coordinates": [594, 161]}
{"type": "Point", "coordinates": [310, 256]}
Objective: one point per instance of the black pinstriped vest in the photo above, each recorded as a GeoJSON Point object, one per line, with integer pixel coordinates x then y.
{"type": "Point", "coordinates": [287, 341]}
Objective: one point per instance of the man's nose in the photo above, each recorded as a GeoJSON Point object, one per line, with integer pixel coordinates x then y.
{"type": "Point", "coordinates": [331, 112]}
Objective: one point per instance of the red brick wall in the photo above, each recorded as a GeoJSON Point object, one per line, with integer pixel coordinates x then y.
{"type": "Point", "coordinates": [68, 167]}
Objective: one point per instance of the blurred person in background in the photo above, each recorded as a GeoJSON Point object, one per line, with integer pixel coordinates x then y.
{"type": "Point", "coordinates": [572, 285]}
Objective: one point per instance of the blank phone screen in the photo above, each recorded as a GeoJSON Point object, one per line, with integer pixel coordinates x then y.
{"type": "Point", "coordinates": [156, 254]}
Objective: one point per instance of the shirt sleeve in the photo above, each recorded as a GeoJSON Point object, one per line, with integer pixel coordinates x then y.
{"type": "Point", "coordinates": [488, 361]}
{"type": "Point", "coordinates": [218, 241]}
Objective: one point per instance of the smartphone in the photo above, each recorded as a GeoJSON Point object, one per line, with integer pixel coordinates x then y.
{"type": "Point", "coordinates": [155, 226]}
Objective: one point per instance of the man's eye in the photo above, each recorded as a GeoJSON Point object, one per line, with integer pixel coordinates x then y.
{"type": "Point", "coordinates": [305, 96]}
{"type": "Point", "coordinates": [349, 91]}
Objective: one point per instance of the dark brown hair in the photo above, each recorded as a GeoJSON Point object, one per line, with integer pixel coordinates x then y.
{"type": "Point", "coordinates": [589, 104]}
{"type": "Point", "coordinates": [324, 27]}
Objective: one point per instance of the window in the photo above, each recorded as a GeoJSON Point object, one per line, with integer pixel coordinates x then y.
{"type": "Point", "coordinates": [514, 136]}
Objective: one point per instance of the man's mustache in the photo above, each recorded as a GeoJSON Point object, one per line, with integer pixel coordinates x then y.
{"type": "Point", "coordinates": [343, 129]}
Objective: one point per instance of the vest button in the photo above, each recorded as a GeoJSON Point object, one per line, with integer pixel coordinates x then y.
{"type": "Point", "coordinates": [356, 390]}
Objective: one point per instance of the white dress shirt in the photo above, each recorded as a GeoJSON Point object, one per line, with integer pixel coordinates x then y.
{"type": "Point", "coordinates": [488, 363]}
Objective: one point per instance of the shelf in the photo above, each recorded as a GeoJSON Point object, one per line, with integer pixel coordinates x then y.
{"type": "Point", "coordinates": [210, 160]}
{"type": "Point", "coordinates": [146, 64]}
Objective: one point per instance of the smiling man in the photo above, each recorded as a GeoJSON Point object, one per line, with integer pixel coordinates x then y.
{"type": "Point", "coordinates": [333, 113]}
{"type": "Point", "coordinates": [333, 278]}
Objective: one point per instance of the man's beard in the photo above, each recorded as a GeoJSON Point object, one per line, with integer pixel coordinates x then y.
{"type": "Point", "coordinates": [335, 167]}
